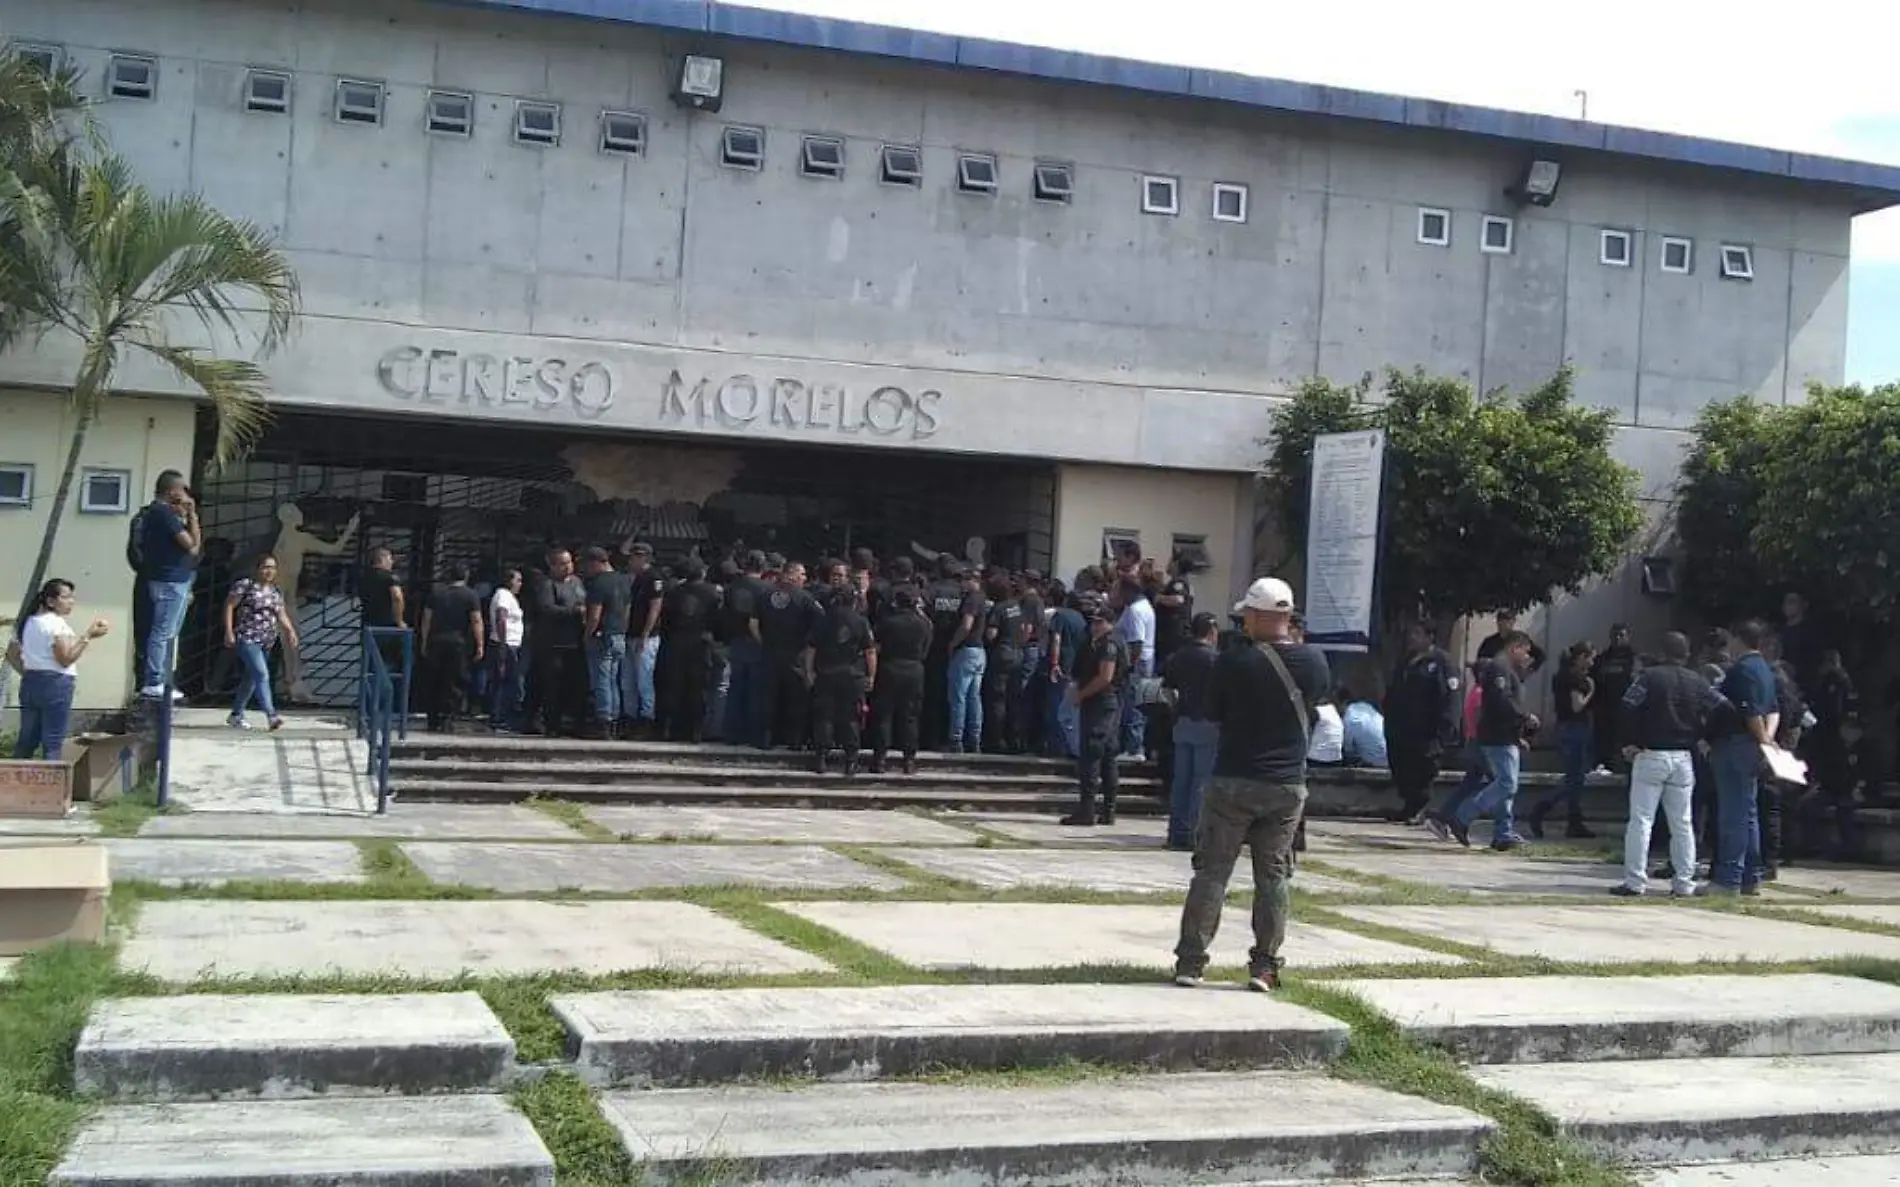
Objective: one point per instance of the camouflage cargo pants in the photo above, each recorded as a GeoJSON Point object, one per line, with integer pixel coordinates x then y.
{"type": "Point", "coordinates": [1263, 817]}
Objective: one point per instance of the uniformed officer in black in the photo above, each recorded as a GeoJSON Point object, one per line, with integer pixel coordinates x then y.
{"type": "Point", "coordinates": [1422, 711]}
{"type": "Point", "coordinates": [1003, 636]}
{"type": "Point", "coordinates": [897, 696]}
{"type": "Point", "coordinates": [944, 604]}
{"type": "Point", "coordinates": [1100, 670]}
{"type": "Point", "coordinates": [785, 624]}
{"type": "Point", "coordinates": [843, 658]}
{"type": "Point", "coordinates": [687, 611]}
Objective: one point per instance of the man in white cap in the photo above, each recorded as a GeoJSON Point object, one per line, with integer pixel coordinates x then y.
{"type": "Point", "coordinates": [1263, 697]}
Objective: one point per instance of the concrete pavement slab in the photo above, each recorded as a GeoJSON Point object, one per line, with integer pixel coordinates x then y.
{"type": "Point", "coordinates": [1477, 873]}
{"type": "Point", "coordinates": [1850, 881]}
{"type": "Point", "coordinates": [619, 869]}
{"type": "Point", "coordinates": [282, 1045]}
{"type": "Point", "coordinates": [708, 1036]}
{"type": "Point", "coordinates": [1552, 1019]}
{"type": "Point", "coordinates": [804, 825]}
{"type": "Point", "coordinates": [1868, 1170]}
{"type": "Point", "coordinates": [225, 771]}
{"type": "Point", "coordinates": [180, 941]}
{"type": "Point", "coordinates": [1717, 1110]}
{"type": "Point", "coordinates": [1865, 913]}
{"type": "Point", "coordinates": [1128, 832]}
{"type": "Point", "coordinates": [440, 822]}
{"type": "Point", "coordinates": [77, 824]}
{"type": "Point", "coordinates": [1160, 1130]}
{"type": "Point", "coordinates": [1040, 935]}
{"type": "Point", "coordinates": [1160, 872]}
{"type": "Point", "coordinates": [216, 862]}
{"type": "Point", "coordinates": [369, 1142]}
{"type": "Point", "coordinates": [1629, 934]}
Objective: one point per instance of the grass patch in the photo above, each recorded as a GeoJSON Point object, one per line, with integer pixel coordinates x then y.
{"type": "Point", "coordinates": [1526, 1150]}
{"type": "Point", "coordinates": [124, 816]}
{"type": "Point", "coordinates": [573, 816]}
{"type": "Point", "coordinates": [389, 868]}
{"type": "Point", "coordinates": [586, 1149]}
{"type": "Point", "coordinates": [42, 1009]}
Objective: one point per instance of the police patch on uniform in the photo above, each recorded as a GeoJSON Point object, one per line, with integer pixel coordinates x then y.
{"type": "Point", "coordinates": [780, 599]}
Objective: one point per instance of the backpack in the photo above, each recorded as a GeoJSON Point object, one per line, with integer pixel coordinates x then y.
{"type": "Point", "coordinates": [135, 540]}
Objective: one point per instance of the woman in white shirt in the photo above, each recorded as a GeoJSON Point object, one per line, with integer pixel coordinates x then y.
{"type": "Point", "coordinates": [505, 626]}
{"type": "Point", "coordinates": [47, 656]}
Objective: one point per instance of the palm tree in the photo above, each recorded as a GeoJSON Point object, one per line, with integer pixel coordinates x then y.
{"type": "Point", "coordinates": [39, 115]}
{"type": "Point", "coordinates": [104, 260]}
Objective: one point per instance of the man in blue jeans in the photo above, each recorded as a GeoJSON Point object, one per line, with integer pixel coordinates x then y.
{"type": "Point", "coordinates": [169, 540]}
{"type": "Point", "coordinates": [1735, 759]}
{"type": "Point", "coordinates": [1503, 726]}
{"type": "Point", "coordinates": [1196, 736]}
{"type": "Point", "coordinates": [968, 662]}
{"type": "Point", "coordinates": [609, 602]}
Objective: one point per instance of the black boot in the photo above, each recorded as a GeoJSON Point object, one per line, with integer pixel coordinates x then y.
{"type": "Point", "coordinates": [819, 763]}
{"type": "Point", "coordinates": [1579, 831]}
{"type": "Point", "coordinates": [851, 764]}
{"type": "Point", "coordinates": [876, 765]}
{"type": "Point", "coordinates": [1536, 822]}
{"type": "Point", "coordinates": [910, 764]}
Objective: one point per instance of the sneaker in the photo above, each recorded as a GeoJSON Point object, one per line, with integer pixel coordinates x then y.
{"type": "Point", "coordinates": [1265, 981]}
{"type": "Point", "coordinates": [238, 723]}
{"type": "Point", "coordinates": [1601, 772]}
{"type": "Point", "coordinates": [1685, 892]}
{"type": "Point", "coordinates": [1105, 818]}
{"type": "Point", "coordinates": [1579, 831]}
{"type": "Point", "coordinates": [1077, 820]}
{"type": "Point", "coordinates": [276, 723]}
{"type": "Point", "coordinates": [1536, 822]}
{"type": "Point", "coordinates": [152, 692]}
{"type": "Point", "coordinates": [1715, 890]}
{"type": "Point", "coordinates": [1509, 844]}
{"type": "Point", "coordinates": [1438, 826]}
{"type": "Point", "coordinates": [1751, 892]}
{"type": "Point", "coordinates": [1622, 891]}
{"type": "Point", "coordinates": [1188, 980]}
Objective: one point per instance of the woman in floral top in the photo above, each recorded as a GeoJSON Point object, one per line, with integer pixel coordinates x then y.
{"type": "Point", "coordinates": [253, 618]}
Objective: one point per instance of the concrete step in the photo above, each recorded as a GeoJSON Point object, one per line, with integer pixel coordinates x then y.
{"type": "Point", "coordinates": [536, 770]}
{"type": "Point", "coordinates": [172, 1048]}
{"type": "Point", "coordinates": [1143, 1130]}
{"type": "Point", "coordinates": [1555, 1019]}
{"type": "Point", "coordinates": [706, 1036]}
{"type": "Point", "coordinates": [442, 1141]}
{"type": "Point", "coordinates": [1669, 1111]}
{"type": "Point", "coordinates": [427, 787]}
{"type": "Point", "coordinates": [1880, 1170]}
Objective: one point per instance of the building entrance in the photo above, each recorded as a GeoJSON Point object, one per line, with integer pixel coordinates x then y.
{"type": "Point", "coordinates": [322, 490]}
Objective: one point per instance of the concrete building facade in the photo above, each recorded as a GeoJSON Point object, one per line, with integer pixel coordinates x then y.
{"type": "Point", "coordinates": [1057, 295]}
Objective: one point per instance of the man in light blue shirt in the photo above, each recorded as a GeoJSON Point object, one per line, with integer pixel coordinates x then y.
{"type": "Point", "coordinates": [1136, 631]}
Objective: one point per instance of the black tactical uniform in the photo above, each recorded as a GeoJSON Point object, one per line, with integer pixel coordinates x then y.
{"type": "Point", "coordinates": [686, 622]}
{"type": "Point", "coordinates": [841, 646]}
{"type": "Point", "coordinates": [903, 642]}
{"type": "Point", "coordinates": [1422, 710]}
{"type": "Point", "coordinates": [944, 605]}
{"type": "Point", "coordinates": [786, 617]}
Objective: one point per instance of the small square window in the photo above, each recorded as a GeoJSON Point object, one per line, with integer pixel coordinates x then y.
{"type": "Point", "coordinates": [742, 148]}
{"type": "Point", "coordinates": [1230, 202]}
{"type": "Point", "coordinates": [976, 173]}
{"type": "Point", "coordinates": [1499, 232]}
{"type": "Point", "coordinates": [1160, 195]}
{"type": "Point", "coordinates": [1054, 182]}
{"type": "Point", "coordinates": [449, 113]}
{"type": "Point", "coordinates": [267, 91]}
{"type": "Point", "coordinates": [1678, 255]}
{"type": "Point", "coordinates": [821, 156]}
{"type": "Point", "coordinates": [623, 132]}
{"type": "Point", "coordinates": [1616, 249]}
{"type": "Point", "coordinates": [132, 76]}
{"type": "Point", "coordinates": [47, 59]}
{"type": "Point", "coordinates": [16, 484]}
{"type": "Point", "coordinates": [901, 164]}
{"type": "Point", "coordinates": [1434, 226]}
{"type": "Point", "coordinates": [537, 123]}
{"type": "Point", "coordinates": [1738, 262]}
{"type": "Point", "coordinates": [105, 492]}
{"type": "Point", "coordinates": [359, 102]}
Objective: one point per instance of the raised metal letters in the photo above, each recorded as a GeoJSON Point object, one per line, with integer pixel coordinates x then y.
{"type": "Point", "coordinates": [788, 406]}
{"type": "Point", "coordinates": [546, 384]}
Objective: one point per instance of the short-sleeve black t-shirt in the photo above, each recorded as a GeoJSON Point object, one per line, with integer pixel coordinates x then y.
{"type": "Point", "coordinates": [1566, 681]}
{"type": "Point", "coordinates": [378, 594]}
{"type": "Point", "coordinates": [1006, 619]}
{"type": "Point", "coordinates": [613, 593]}
{"type": "Point", "coordinates": [975, 608]}
{"type": "Point", "coordinates": [1032, 617]}
{"type": "Point", "coordinates": [1095, 654]}
{"type": "Point", "coordinates": [1261, 737]}
{"type": "Point", "coordinates": [840, 638]}
{"type": "Point", "coordinates": [688, 609]}
{"type": "Point", "coordinates": [449, 608]}
{"type": "Point", "coordinates": [1171, 622]}
{"type": "Point", "coordinates": [743, 596]}
{"type": "Point", "coordinates": [643, 591]}
{"type": "Point", "coordinates": [903, 636]}
{"type": "Point", "coordinates": [785, 620]}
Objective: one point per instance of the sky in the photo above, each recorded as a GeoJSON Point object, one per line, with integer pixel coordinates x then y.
{"type": "Point", "coordinates": [1818, 82]}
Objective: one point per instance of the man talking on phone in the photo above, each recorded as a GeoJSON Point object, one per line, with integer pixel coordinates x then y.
{"type": "Point", "coordinates": [169, 540]}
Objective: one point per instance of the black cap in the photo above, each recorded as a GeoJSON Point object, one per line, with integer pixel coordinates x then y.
{"type": "Point", "coordinates": [595, 553]}
{"type": "Point", "coordinates": [755, 561]}
{"type": "Point", "coordinates": [640, 548]}
{"type": "Point", "coordinates": [1203, 623]}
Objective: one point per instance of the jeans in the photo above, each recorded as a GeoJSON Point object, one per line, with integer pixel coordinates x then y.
{"type": "Point", "coordinates": [1576, 743]}
{"type": "Point", "coordinates": [745, 667]}
{"type": "Point", "coordinates": [606, 667]}
{"type": "Point", "coordinates": [965, 686]}
{"type": "Point", "coordinates": [1066, 718]}
{"type": "Point", "coordinates": [635, 697]}
{"type": "Point", "coordinates": [254, 684]}
{"type": "Point", "coordinates": [1134, 721]}
{"type": "Point", "coordinates": [1496, 796]}
{"type": "Point", "coordinates": [506, 675]}
{"type": "Point", "coordinates": [46, 712]}
{"type": "Point", "coordinates": [1666, 777]}
{"type": "Point", "coordinates": [170, 599]}
{"type": "Point", "coordinates": [1194, 745]}
{"type": "Point", "coordinates": [1736, 763]}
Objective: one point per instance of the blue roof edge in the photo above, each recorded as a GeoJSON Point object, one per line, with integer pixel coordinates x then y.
{"type": "Point", "coordinates": [1878, 185]}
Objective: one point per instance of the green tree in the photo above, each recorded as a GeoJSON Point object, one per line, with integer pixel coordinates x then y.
{"type": "Point", "coordinates": [104, 260]}
{"type": "Point", "coordinates": [1718, 506]}
{"type": "Point", "coordinates": [41, 116]}
{"type": "Point", "coordinates": [1490, 502]}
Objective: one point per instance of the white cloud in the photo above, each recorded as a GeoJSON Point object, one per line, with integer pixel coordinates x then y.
{"type": "Point", "coordinates": [1687, 66]}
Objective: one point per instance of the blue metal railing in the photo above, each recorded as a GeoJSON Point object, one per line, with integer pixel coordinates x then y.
{"type": "Point", "coordinates": [382, 711]}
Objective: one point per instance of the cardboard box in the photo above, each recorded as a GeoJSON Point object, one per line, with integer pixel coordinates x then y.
{"type": "Point", "coordinates": [97, 777]}
{"type": "Point", "coordinates": [36, 790]}
{"type": "Point", "coordinates": [52, 891]}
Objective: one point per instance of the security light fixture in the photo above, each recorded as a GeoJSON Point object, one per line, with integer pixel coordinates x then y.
{"type": "Point", "coordinates": [1054, 182]}
{"type": "Point", "coordinates": [359, 102]}
{"type": "Point", "coordinates": [1738, 262]}
{"type": "Point", "coordinates": [537, 123]}
{"type": "Point", "coordinates": [267, 91]}
{"type": "Point", "coordinates": [901, 164]}
{"type": "Point", "coordinates": [742, 148]}
{"type": "Point", "coordinates": [132, 76]}
{"type": "Point", "coordinates": [623, 132]}
{"type": "Point", "coordinates": [702, 83]}
{"type": "Point", "coordinates": [449, 113]}
{"type": "Point", "coordinates": [976, 173]}
{"type": "Point", "coordinates": [821, 156]}
{"type": "Point", "coordinates": [1538, 185]}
